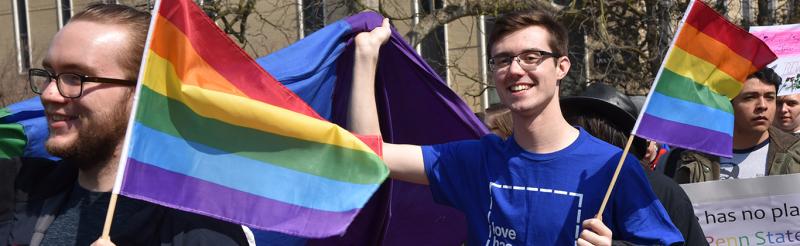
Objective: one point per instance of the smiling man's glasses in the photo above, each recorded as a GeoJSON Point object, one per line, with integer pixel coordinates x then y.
{"type": "Point", "coordinates": [70, 85]}
{"type": "Point", "coordinates": [528, 60]}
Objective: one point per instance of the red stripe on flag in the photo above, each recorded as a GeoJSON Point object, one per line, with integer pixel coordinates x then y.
{"type": "Point", "coordinates": [708, 21]}
{"type": "Point", "coordinates": [219, 51]}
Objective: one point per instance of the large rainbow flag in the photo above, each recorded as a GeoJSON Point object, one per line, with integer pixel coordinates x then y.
{"type": "Point", "coordinates": [689, 105]}
{"type": "Point", "coordinates": [215, 134]}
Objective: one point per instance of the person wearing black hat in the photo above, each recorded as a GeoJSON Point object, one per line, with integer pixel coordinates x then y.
{"type": "Point", "coordinates": [759, 148]}
{"type": "Point", "coordinates": [610, 115]}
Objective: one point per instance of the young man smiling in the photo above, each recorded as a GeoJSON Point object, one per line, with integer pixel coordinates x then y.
{"type": "Point", "coordinates": [543, 184]}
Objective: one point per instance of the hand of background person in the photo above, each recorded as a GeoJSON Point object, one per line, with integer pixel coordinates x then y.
{"type": "Point", "coordinates": [594, 233]}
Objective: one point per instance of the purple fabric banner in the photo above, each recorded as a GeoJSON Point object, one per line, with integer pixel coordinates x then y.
{"type": "Point", "coordinates": [415, 107]}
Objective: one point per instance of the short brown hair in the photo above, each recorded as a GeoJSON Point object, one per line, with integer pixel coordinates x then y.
{"type": "Point", "coordinates": [136, 21]}
{"type": "Point", "coordinates": [518, 20]}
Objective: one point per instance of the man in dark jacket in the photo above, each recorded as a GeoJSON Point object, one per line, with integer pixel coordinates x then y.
{"type": "Point", "coordinates": [86, 85]}
{"type": "Point", "coordinates": [759, 149]}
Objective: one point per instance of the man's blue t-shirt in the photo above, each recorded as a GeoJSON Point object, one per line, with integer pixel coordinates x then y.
{"type": "Point", "coordinates": [514, 197]}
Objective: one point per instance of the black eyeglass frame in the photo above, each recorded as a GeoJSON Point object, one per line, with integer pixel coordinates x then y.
{"type": "Point", "coordinates": [544, 55]}
{"type": "Point", "coordinates": [44, 73]}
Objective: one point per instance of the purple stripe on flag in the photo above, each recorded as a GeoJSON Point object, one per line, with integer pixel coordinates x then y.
{"type": "Point", "coordinates": [173, 190]}
{"type": "Point", "coordinates": [685, 136]}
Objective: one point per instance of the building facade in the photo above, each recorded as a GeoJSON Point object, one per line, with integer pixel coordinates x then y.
{"type": "Point", "coordinates": [456, 50]}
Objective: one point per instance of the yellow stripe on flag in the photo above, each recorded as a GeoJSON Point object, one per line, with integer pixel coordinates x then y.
{"type": "Point", "coordinates": [190, 67]}
{"type": "Point", "coordinates": [243, 111]}
{"type": "Point", "coordinates": [702, 72]}
{"type": "Point", "coordinates": [715, 52]}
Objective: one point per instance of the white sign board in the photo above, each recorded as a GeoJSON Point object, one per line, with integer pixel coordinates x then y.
{"type": "Point", "coordinates": [784, 40]}
{"type": "Point", "coordinates": [757, 211]}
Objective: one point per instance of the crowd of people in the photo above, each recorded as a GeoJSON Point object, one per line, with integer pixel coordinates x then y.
{"type": "Point", "coordinates": [538, 180]}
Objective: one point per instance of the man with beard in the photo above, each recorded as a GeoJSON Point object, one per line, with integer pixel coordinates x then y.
{"type": "Point", "coordinates": [759, 149]}
{"type": "Point", "coordinates": [86, 84]}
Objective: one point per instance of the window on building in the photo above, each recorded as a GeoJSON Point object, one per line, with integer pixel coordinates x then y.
{"type": "Point", "coordinates": [746, 14]}
{"type": "Point", "coordinates": [488, 23]}
{"type": "Point", "coordinates": [64, 11]}
{"type": "Point", "coordinates": [434, 46]}
{"type": "Point", "coordinates": [22, 35]}
{"type": "Point", "coordinates": [313, 16]}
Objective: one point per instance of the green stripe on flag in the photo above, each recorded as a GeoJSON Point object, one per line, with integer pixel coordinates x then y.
{"type": "Point", "coordinates": [325, 160]}
{"type": "Point", "coordinates": [677, 86]}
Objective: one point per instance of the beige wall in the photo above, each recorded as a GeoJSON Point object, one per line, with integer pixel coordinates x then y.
{"type": "Point", "coordinates": [44, 23]}
{"type": "Point", "coordinates": [7, 45]}
{"type": "Point", "coordinates": [462, 36]}
{"type": "Point", "coordinates": [272, 28]}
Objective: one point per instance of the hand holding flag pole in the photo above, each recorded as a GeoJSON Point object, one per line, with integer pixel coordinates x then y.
{"type": "Point", "coordinates": [599, 215]}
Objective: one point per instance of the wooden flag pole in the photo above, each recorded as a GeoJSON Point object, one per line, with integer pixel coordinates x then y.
{"type": "Point", "coordinates": [112, 205]}
{"type": "Point", "coordinates": [599, 215]}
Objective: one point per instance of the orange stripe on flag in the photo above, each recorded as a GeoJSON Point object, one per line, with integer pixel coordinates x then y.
{"type": "Point", "coordinates": [714, 52]}
{"type": "Point", "coordinates": [190, 67]}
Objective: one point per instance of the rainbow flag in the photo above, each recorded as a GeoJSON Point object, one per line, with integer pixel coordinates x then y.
{"type": "Point", "coordinates": [689, 104]}
{"type": "Point", "coordinates": [215, 134]}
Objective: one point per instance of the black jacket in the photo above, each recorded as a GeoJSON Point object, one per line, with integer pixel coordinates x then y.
{"type": "Point", "coordinates": [32, 191]}
{"type": "Point", "coordinates": [679, 208]}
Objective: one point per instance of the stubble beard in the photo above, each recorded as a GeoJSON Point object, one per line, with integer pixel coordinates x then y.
{"type": "Point", "coordinates": [96, 142]}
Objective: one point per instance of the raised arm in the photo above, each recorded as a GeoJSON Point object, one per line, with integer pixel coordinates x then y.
{"type": "Point", "coordinates": [404, 161]}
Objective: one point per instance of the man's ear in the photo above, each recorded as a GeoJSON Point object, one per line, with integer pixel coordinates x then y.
{"type": "Point", "coordinates": [562, 67]}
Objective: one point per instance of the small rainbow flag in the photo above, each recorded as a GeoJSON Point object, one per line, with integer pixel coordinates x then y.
{"type": "Point", "coordinates": [215, 134]}
{"type": "Point", "coordinates": [689, 104]}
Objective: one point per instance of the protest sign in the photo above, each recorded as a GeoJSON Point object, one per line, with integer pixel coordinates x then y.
{"type": "Point", "coordinates": [757, 211]}
{"type": "Point", "coordinates": [784, 40]}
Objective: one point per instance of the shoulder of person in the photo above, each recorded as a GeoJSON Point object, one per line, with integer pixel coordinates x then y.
{"type": "Point", "coordinates": [688, 156]}
{"type": "Point", "coordinates": [784, 140]}
{"type": "Point", "coordinates": [187, 228]}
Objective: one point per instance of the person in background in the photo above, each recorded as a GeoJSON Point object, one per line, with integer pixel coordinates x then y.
{"type": "Point", "coordinates": [759, 148]}
{"type": "Point", "coordinates": [498, 120]}
{"type": "Point", "coordinates": [787, 115]}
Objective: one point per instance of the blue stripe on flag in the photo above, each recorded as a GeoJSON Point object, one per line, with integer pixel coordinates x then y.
{"type": "Point", "coordinates": [237, 172]}
{"type": "Point", "coordinates": [690, 113]}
